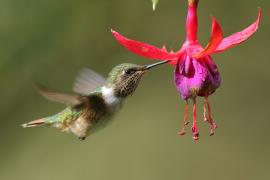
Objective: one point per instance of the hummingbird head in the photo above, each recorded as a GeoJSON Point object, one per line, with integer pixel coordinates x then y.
{"type": "Point", "coordinates": [124, 78]}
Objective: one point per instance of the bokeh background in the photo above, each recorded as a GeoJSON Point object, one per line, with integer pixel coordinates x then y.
{"type": "Point", "coordinates": [49, 41]}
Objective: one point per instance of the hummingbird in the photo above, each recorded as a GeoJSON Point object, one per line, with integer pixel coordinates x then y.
{"type": "Point", "coordinates": [94, 99]}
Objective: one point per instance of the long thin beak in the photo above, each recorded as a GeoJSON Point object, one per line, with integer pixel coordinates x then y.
{"type": "Point", "coordinates": [155, 64]}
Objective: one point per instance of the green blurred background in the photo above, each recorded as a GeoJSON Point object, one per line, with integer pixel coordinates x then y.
{"type": "Point", "coordinates": [49, 41]}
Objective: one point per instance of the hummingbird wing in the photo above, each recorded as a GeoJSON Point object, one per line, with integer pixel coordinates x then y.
{"type": "Point", "coordinates": [87, 81]}
{"type": "Point", "coordinates": [69, 99]}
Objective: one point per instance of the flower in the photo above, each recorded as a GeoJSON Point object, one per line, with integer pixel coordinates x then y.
{"type": "Point", "coordinates": [196, 74]}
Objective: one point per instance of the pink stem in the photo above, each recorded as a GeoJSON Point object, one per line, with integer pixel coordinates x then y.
{"type": "Point", "coordinates": [192, 20]}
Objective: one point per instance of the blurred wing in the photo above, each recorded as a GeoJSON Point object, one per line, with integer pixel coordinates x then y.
{"type": "Point", "coordinates": [87, 81]}
{"type": "Point", "coordinates": [65, 98]}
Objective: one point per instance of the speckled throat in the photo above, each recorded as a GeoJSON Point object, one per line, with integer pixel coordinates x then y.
{"type": "Point", "coordinates": [126, 87]}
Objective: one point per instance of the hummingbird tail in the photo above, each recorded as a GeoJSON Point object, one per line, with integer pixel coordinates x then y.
{"type": "Point", "coordinates": [38, 122]}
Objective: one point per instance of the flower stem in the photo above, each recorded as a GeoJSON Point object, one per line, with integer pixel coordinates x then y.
{"type": "Point", "coordinates": [192, 20]}
{"type": "Point", "coordinates": [191, 2]}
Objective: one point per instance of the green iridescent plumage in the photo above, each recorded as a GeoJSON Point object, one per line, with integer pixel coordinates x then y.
{"type": "Point", "coordinates": [69, 114]}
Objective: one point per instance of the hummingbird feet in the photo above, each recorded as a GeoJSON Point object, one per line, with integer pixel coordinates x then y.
{"type": "Point", "coordinates": [81, 138]}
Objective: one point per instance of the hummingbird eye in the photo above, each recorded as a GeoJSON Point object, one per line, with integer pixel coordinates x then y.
{"type": "Point", "coordinates": [129, 71]}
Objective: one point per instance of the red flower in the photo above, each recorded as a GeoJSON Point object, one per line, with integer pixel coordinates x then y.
{"type": "Point", "coordinates": [196, 74]}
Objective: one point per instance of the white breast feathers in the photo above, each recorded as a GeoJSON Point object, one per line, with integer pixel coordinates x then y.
{"type": "Point", "coordinates": [109, 97]}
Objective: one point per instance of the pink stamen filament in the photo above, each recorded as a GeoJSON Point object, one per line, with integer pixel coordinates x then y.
{"type": "Point", "coordinates": [186, 115]}
{"type": "Point", "coordinates": [183, 131]}
{"type": "Point", "coordinates": [205, 115]}
{"type": "Point", "coordinates": [208, 116]}
{"type": "Point", "coordinates": [194, 126]}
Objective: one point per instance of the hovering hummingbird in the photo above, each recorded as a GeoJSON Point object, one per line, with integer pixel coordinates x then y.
{"type": "Point", "coordinates": [94, 101]}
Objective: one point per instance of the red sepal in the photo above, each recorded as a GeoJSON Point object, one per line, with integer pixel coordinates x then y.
{"type": "Point", "coordinates": [239, 37]}
{"type": "Point", "coordinates": [143, 49]}
{"type": "Point", "coordinates": [216, 38]}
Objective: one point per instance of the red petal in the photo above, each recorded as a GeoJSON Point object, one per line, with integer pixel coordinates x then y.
{"type": "Point", "coordinates": [216, 38]}
{"type": "Point", "coordinates": [143, 49]}
{"type": "Point", "coordinates": [239, 37]}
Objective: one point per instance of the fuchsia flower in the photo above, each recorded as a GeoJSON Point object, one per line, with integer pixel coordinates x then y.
{"type": "Point", "coordinates": [196, 74]}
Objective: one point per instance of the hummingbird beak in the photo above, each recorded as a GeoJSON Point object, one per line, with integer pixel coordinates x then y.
{"type": "Point", "coordinates": [147, 67]}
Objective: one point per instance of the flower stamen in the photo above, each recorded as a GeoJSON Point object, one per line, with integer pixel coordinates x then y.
{"type": "Point", "coordinates": [183, 131]}
{"type": "Point", "coordinates": [194, 125]}
{"type": "Point", "coordinates": [208, 116]}
{"type": "Point", "coordinates": [205, 115]}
